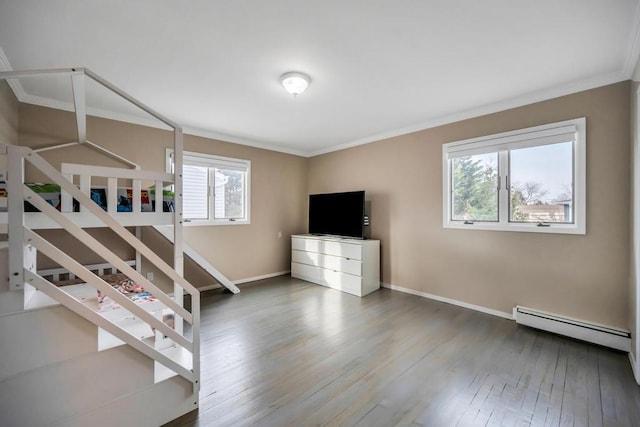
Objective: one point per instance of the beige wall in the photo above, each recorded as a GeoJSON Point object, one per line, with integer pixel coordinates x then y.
{"type": "Point", "coordinates": [278, 187]}
{"type": "Point", "coordinates": [580, 276]}
{"type": "Point", "coordinates": [8, 115]}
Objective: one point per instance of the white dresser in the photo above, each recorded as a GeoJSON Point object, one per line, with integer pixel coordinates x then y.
{"type": "Point", "coordinates": [349, 265]}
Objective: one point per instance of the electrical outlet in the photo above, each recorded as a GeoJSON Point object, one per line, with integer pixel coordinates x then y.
{"type": "Point", "coordinates": [279, 234]}
{"type": "Point", "coordinates": [150, 276]}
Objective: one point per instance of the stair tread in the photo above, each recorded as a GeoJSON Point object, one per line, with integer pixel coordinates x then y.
{"type": "Point", "coordinates": [118, 315]}
{"type": "Point", "coordinates": [179, 355]}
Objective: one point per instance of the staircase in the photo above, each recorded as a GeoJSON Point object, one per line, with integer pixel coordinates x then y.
{"type": "Point", "coordinates": [63, 361]}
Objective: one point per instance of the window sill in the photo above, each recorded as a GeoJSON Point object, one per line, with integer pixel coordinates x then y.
{"type": "Point", "coordinates": [208, 223]}
{"type": "Point", "coordinates": [522, 228]}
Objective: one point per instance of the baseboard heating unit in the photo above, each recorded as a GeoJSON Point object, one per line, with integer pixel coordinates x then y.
{"type": "Point", "coordinates": [579, 329]}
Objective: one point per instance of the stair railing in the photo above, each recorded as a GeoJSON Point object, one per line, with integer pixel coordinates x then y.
{"type": "Point", "coordinates": [23, 244]}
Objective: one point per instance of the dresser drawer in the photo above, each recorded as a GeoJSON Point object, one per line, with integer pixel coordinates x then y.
{"type": "Point", "coordinates": [343, 282]}
{"type": "Point", "coordinates": [310, 273]}
{"type": "Point", "coordinates": [343, 265]}
{"type": "Point", "coordinates": [309, 245]}
{"type": "Point", "coordinates": [330, 262]}
{"type": "Point", "coordinates": [341, 249]}
{"type": "Point", "coordinates": [329, 247]}
{"type": "Point", "coordinates": [309, 258]}
{"type": "Point", "coordinates": [333, 279]}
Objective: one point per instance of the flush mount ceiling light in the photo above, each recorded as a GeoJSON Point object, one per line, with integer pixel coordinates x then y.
{"type": "Point", "coordinates": [295, 83]}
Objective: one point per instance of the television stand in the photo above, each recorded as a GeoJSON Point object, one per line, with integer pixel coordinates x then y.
{"type": "Point", "coordinates": [348, 265]}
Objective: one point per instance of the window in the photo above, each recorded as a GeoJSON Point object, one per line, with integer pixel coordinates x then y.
{"type": "Point", "coordinates": [215, 189]}
{"type": "Point", "coordinates": [475, 188]}
{"type": "Point", "coordinates": [530, 180]}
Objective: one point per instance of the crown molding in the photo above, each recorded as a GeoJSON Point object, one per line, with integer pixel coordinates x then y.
{"type": "Point", "coordinates": [242, 141]}
{"type": "Point", "coordinates": [22, 96]}
{"type": "Point", "coordinates": [519, 101]}
{"type": "Point", "coordinates": [633, 54]}
{"type": "Point", "coordinates": [507, 104]}
{"type": "Point", "coordinates": [148, 122]}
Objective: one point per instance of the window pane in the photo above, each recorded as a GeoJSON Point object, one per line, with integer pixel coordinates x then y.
{"type": "Point", "coordinates": [474, 188]}
{"type": "Point", "coordinates": [195, 192]}
{"type": "Point", "coordinates": [229, 194]}
{"type": "Point", "coordinates": [541, 184]}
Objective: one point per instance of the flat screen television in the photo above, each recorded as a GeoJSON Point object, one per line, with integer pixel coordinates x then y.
{"type": "Point", "coordinates": [337, 214]}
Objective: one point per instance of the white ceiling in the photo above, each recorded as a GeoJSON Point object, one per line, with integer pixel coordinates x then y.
{"type": "Point", "coordinates": [378, 68]}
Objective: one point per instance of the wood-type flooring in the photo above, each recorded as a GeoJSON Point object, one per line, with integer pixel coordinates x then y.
{"type": "Point", "coordinates": [285, 352]}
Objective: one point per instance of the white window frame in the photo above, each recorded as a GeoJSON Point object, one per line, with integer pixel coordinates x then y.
{"type": "Point", "coordinates": [212, 161]}
{"type": "Point", "coordinates": [503, 142]}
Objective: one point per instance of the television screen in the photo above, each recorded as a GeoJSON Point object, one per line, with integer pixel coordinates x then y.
{"type": "Point", "coordinates": [339, 214]}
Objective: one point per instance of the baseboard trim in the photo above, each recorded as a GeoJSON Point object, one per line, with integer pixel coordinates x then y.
{"type": "Point", "coordinates": [634, 367]}
{"type": "Point", "coordinates": [209, 287]}
{"type": "Point", "coordinates": [242, 281]}
{"type": "Point", "coordinates": [451, 301]}
{"type": "Point", "coordinates": [264, 276]}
